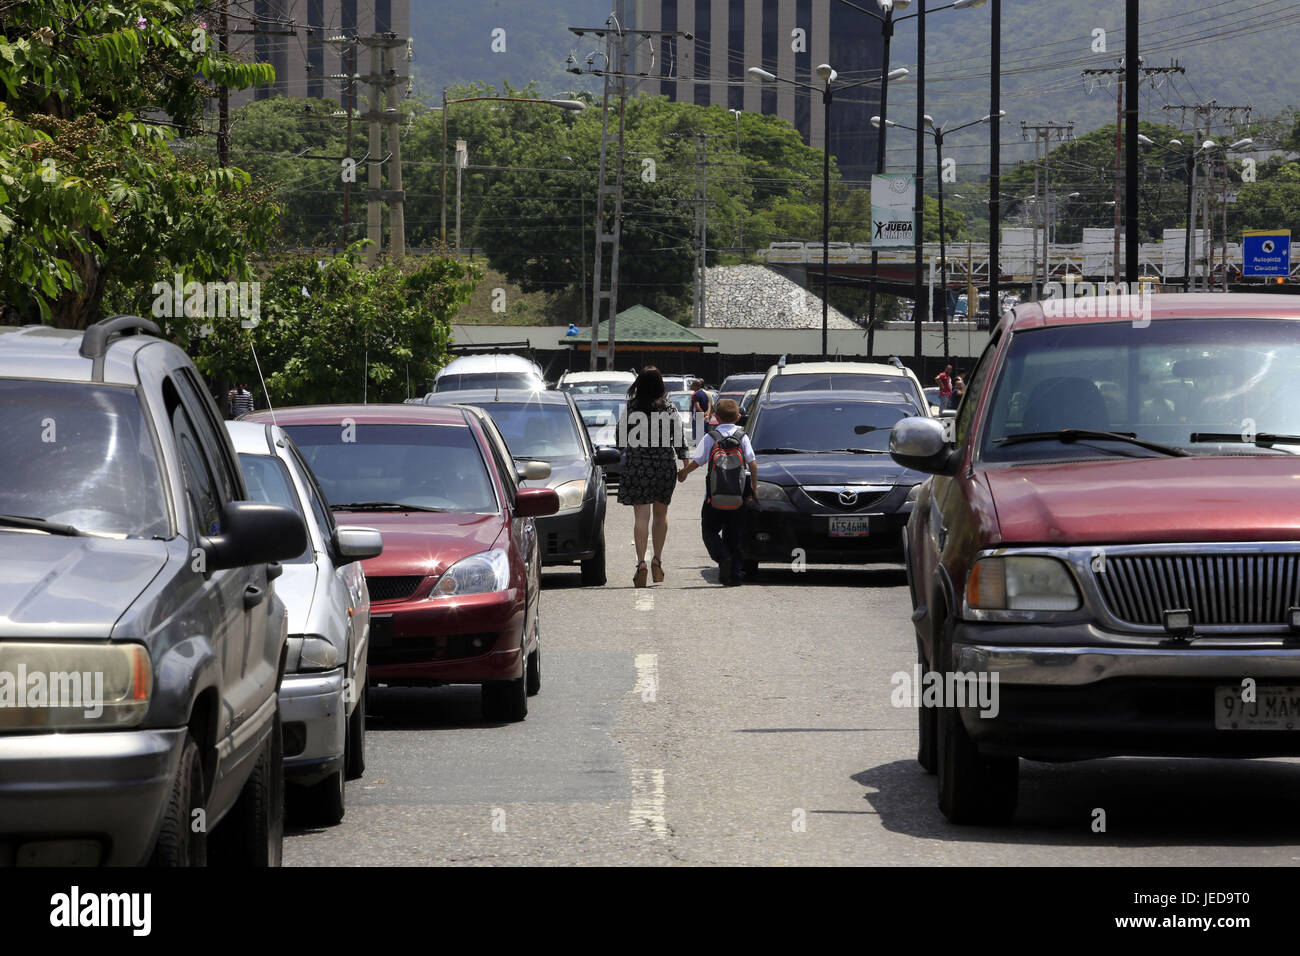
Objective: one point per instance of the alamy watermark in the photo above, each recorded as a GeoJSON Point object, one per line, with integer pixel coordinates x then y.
{"type": "Point", "coordinates": [208, 300]}
{"type": "Point", "coordinates": [947, 689]}
{"type": "Point", "coordinates": [49, 689]}
{"type": "Point", "coordinates": [1085, 300]}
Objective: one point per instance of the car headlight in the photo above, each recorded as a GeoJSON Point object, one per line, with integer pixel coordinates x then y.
{"type": "Point", "coordinates": [66, 685]}
{"type": "Point", "coordinates": [571, 494]}
{"type": "Point", "coordinates": [1021, 583]}
{"type": "Point", "coordinates": [770, 491]}
{"type": "Point", "coordinates": [311, 653]}
{"type": "Point", "coordinates": [478, 574]}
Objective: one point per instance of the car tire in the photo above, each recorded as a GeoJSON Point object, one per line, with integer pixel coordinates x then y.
{"type": "Point", "coordinates": [252, 834]}
{"type": "Point", "coordinates": [593, 568]}
{"type": "Point", "coordinates": [322, 804]}
{"type": "Point", "coordinates": [179, 843]}
{"type": "Point", "coordinates": [973, 787]}
{"type": "Point", "coordinates": [354, 759]}
{"type": "Point", "coordinates": [534, 669]}
{"type": "Point", "coordinates": [506, 701]}
{"type": "Point", "coordinates": [927, 748]}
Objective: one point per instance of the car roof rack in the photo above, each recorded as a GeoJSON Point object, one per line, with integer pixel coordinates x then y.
{"type": "Point", "coordinates": [95, 342]}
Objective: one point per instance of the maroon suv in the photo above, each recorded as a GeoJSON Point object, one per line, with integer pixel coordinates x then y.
{"type": "Point", "coordinates": [454, 597]}
{"type": "Point", "coordinates": [1109, 549]}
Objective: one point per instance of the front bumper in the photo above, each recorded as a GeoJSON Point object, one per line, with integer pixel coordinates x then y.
{"type": "Point", "coordinates": [774, 533]}
{"type": "Point", "coordinates": [314, 716]}
{"type": "Point", "coordinates": [1074, 700]}
{"type": "Point", "coordinates": [565, 538]}
{"type": "Point", "coordinates": [465, 640]}
{"type": "Point", "coordinates": [107, 789]}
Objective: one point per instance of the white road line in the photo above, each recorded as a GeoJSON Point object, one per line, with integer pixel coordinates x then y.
{"type": "Point", "coordinates": [647, 677]}
{"type": "Point", "coordinates": [647, 812]}
{"type": "Point", "coordinates": [646, 601]}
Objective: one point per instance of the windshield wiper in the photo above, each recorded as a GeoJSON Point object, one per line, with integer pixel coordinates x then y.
{"type": "Point", "coordinates": [855, 451]}
{"type": "Point", "coordinates": [1071, 435]}
{"type": "Point", "coordinates": [1261, 440]}
{"type": "Point", "coordinates": [784, 451]}
{"type": "Point", "coordinates": [382, 506]}
{"type": "Point", "coordinates": [40, 524]}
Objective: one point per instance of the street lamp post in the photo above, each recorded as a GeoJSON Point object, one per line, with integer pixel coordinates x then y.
{"type": "Point", "coordinates": [828, 77]}
{"type": "Point", "coordinates": [740, 216]}
{"type": "Point", "coordinates": [938, 133]}
{"type": "Point", "coordinates": [575, 106]}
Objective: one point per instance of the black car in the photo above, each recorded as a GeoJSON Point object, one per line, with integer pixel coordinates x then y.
{"type": "Point", "coordinates": [735, 386]}
{"type": "Point", "coordinates": [828, 491]}
{"type": "Point", "coordinates": [601, 414]}
{"type": "Point", "coordinates": [546, 426]}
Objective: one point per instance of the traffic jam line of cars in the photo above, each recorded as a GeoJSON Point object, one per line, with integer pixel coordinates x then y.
{"type": "Point", "coordinates": [1099, 531]}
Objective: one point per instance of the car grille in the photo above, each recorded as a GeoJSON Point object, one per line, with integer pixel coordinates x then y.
{"type": "Point", "coordinates": [392, 588]}
{"type": "Point", "coordinates": [831, 499]}
{"type": "Point", "coordinates": [430, 648]}
{"type": "Point", "coordinates": [1219, 589]}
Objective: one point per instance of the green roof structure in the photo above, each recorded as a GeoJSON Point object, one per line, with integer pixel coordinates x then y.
{"type": "Point", "coordinates": [642, 328]}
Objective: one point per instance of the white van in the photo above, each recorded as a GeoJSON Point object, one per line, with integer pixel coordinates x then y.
{"type": "Point", "coordinates": [488, 371]}
{"type": "Point", "coordinates": [589, 383]}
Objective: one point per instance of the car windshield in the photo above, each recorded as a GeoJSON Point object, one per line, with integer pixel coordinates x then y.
{"type": "Point", "coordinates": [740, 383]}
{"type": "Point", "coordinates": [826, 426]}
{"type": "Point", "coordinates": [437, 467]}
{"type": "Point", "coordinates": [80, 455]}
{"type": "Point", "coordinates": [1209, 386]}
{"type": "Point", "coordinates": [268, 480]}
{"type": "Point", "coordinates": [842, 382]}
{"type": "Point", "coordinates": [601, 413]}
{"type": "Point", "coordinates": [537, 431]}
{"type": "Point", "coordinates": [461, 383]}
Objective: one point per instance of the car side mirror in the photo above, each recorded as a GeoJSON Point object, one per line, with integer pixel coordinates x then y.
{"type": "Point", "coordinates": [534, 471]}
{"type": "Point", "coordinates": [607, 456]}
{"type": "Point", "coordinates": [253, 532]}
{"type": "Point", "coordinates": [536, 502]}
{"type": "Point", "coordinates": [357, 544]}
{"type": "Point", "coordinates": [922, 445]}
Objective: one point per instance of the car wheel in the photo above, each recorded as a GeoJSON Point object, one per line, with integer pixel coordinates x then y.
{"type": "Point", "coordinates": [506, 701]}
{"type": "Point", "coordinates": [179, 842]}
{"type": "Point", "coordinates": [973, 787]}
{"type": "Point", "coordinates": [928, 728]}
{"type": "Point", "coordinates": [321, 804]}
{"type": "Point", "coordinates": [252, 834]}
{"type": "Point", "coordinates": [593, 569]}
{"type": "Point", "coordinates": [355, 748]}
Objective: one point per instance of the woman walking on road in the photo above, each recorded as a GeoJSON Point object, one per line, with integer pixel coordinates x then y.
{"type": "Point", "coordinates": [652, 440]}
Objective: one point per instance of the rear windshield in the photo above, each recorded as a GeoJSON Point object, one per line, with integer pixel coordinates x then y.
{"type": "Point", "coordinates": [740, 383]}
{"type": "Point", "coordinates": [535, 431]}
{"type": "Point", "coordinates": [843, 382]}
{"type": "Point", "coordinates": [268, 480]}
{"type": "Point", "coordinates": [80, 455]}
{"type": "Point", "coordinates": [601, 413]}
{"type": "Point", "coordinates": [434, 467]}
{"type": "Point", "coordinates": [461, 383]}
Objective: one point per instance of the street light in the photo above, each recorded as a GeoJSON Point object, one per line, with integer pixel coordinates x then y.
{"type": "Point", "coordinates": [573, 106]}
{"type": "Point", "coordinates": [938, 132]}
{"type": "Point", "coordinates": [828, 77]}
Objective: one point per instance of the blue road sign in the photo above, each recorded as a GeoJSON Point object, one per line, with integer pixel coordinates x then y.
{"type": "Point", "coordinates": [1266, 252]}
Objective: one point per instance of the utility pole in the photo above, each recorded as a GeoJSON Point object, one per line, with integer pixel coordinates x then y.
{"type": "Point", "coordinates": [617, 37]}
{"type": "Point", "coordinates": [1044, 133]}
{"type": "Point", "coordinates": [701, 229]}
{"type": "Point", "coordinates": [1132, 78]}
{"type": "Point", "coordinates": [223, 92]}
{"type": "Point", "coordinates": [383, 78]}
{"type": "Point", "coordinates": [347, 47]}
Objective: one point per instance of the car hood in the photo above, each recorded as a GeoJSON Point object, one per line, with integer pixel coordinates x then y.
{"type": "Point", "coordinates": [834, 469]}
{"type": "Point", "coordinates": [424, 543]}
{"type": "Point", "coordinates": [296, 587]}
{"type": "Point", "coordinates": [57, 587]}
{"type": "Point", "coordinates": [1148, 500]}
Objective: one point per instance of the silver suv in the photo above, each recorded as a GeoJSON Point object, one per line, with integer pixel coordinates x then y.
{"type": "Point", "coordinates": [141, 645]}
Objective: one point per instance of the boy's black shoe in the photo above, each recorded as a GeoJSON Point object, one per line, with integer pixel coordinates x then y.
{"type": "Point", "coordinates": [724, 571]}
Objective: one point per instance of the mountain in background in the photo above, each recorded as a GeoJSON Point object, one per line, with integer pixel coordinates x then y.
{"type": "Point", "coordinates": [1234, 52]}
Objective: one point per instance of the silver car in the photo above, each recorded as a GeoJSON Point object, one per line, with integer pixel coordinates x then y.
{"type": "Point", "coordinates": [322, 698]}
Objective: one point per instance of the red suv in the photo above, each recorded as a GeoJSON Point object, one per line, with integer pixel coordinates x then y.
{"type": "Point", "coordinates": [1107, 559]}
{"type": "Point", "coordinates": [454, 597]}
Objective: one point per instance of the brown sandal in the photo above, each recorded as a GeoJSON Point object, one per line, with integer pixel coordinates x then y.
{"type": "Point", "coordinates": [657, 570]}
{"type": "Point", "coordinates": [638, 579]}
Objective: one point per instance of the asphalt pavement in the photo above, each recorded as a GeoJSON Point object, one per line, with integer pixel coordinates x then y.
{"type": "Point", "coordinates": [687, 723]}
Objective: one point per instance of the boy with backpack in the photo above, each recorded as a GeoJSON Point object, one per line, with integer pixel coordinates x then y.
{"type": "Point", "coordinates": [731, 480]}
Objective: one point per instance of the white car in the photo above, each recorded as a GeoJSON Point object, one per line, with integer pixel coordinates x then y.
{"type": "Point", "coordinates": [323, 694]}
{"type": "Point", "coordinates": [489, 371]}
{"type": "Point", "coordinates": [847, 376]}
{"type": "Point", "coordinates": [614, 383]}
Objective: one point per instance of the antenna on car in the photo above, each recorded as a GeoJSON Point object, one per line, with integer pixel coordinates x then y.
{"type": "Point", "coordinates": [252, 348]}
{"type": "Point", "coordinates": [780, 365]}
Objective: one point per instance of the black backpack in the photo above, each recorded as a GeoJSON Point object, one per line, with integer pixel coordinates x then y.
{"type": "Point", "coordinates": [727, 472]}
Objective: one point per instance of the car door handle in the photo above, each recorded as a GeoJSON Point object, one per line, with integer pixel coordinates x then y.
{"type": "Point", "coordinates": [253, 596]}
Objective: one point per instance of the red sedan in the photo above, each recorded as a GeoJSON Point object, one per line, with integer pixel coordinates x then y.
{"type": "Point", "coordinates": [454, 597]}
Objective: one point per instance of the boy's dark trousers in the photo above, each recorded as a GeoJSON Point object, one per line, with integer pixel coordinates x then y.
{"type": "Point", "coordinates": [723, 531]}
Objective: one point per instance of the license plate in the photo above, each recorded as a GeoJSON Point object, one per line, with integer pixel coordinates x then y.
{"type": "Point", "coordinates": [381, 630]}
{"type": "Point", "coordinates": [1274, 708]}
{"type": "Point", "coordinates": [849, 526]}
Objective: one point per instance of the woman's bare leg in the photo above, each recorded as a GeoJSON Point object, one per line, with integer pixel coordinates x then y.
{"type": "Point", "coordinates": [641, 530]}
{"type": "Point", "coordinates": [660, 529]}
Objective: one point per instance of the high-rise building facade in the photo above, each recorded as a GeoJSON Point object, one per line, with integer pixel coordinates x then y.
{"type": "Point", "coordinates": [293, 36]}
{"type": "Point", "coordinates": [786, 37]}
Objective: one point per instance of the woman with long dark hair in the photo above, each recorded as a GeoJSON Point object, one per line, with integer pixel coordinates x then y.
{"type": "Point", "coordinates": [652, 440]}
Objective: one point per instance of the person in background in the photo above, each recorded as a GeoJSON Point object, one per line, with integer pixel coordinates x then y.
{"type": "Point", "coordinates": [242, 402]}
{"type": "Point", "coordinates": [723, 523]}
{"type": "Point", "coordinates": [652, 440]}
{"type": "Point", "coordinates": [701, 409]}
{"type": "Point", "coordinates": [944, 379]}
{"type": "Point", "coordinates": [958, 390]}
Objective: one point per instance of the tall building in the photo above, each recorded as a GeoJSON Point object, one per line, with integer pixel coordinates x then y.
{"type": "Point", "coordinates": [786, 37]}
{"type": "Point", "coordinates": [293, 36]}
